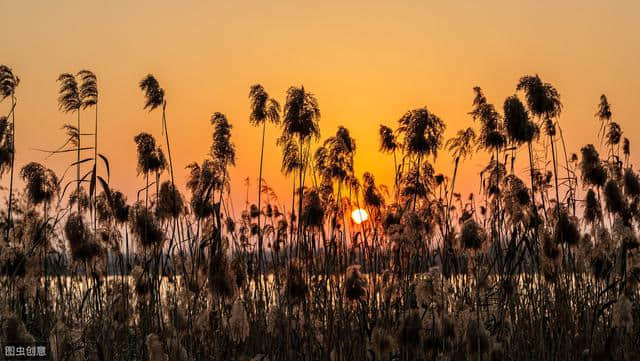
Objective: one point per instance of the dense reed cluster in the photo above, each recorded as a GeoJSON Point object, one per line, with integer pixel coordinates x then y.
{"type": "Point", "coordinates": [543, 265]}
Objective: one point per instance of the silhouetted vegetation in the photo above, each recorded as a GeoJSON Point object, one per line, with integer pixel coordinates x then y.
{"type": "Point", "coordinates": [543, 267]}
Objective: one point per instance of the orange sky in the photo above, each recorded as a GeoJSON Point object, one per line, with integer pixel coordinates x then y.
{"type": "Point", "coordinates": [367, 62]}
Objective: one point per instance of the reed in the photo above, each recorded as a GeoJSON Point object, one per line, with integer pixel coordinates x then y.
{"type": "Point", "coordinates": [516, 271]}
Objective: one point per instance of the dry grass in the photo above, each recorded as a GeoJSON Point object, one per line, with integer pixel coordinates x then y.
{"type": "Point", "coordinates": [507, 274]}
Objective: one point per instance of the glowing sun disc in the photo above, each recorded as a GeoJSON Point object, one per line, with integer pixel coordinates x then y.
{"type": "Point", "coordinates": [359, 216]}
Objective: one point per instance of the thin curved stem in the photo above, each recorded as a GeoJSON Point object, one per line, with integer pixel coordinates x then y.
{"type": "Point", "coordinates": [13, 156]}
{"type": "Point", "coordinates": [260, 249]}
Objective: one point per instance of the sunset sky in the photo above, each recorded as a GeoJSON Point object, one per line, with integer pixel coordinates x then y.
{"type": "Point", "coordinates": [366, 61]}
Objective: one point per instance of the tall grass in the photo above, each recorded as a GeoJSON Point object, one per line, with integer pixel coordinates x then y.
{"type": "Point", "coordinates": [541, 268]}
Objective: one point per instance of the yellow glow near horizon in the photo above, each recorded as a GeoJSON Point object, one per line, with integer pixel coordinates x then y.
{"type": "Point", "coordinates": [359, 215]}
{"type": "Point", "coordinates": [366, 62]}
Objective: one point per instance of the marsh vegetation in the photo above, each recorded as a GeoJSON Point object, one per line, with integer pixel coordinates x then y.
{"type": "Point", "coordinates": [542, 265]}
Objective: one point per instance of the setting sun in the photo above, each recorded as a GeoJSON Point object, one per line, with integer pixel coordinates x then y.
{"type": "Point", "coordinates": [359, 216]}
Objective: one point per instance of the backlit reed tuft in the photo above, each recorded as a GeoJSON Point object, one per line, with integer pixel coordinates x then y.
{"type": "Point", "coordinates": [355, 283]}
{"type": "Point", "coordinates": [593, 172]}
{"type": "Point", "coordinates": [81, 240]}
{"type": "Point", "coordinates": [592, 208]}
{"type": "Point", "coordinates": [220, 278]}
{"type": "Point", "coordinates": [631, 183]}
{"type": "Point", "coordinates": [472, 236]}
{"type": "Point", "coordinates": [566, 228]}
{"type": "Point", "coordinates": [296, 287]}
{"type": "Point", "coordinates": [169, 204]}
{"type": "Point", "coordinates": [144, 226]}
{"type": "Point", "coordinates": [614, 199]}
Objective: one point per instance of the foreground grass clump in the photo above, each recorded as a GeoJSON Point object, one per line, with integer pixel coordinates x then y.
{"type": "Point", "coordinates": [537, 266]}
